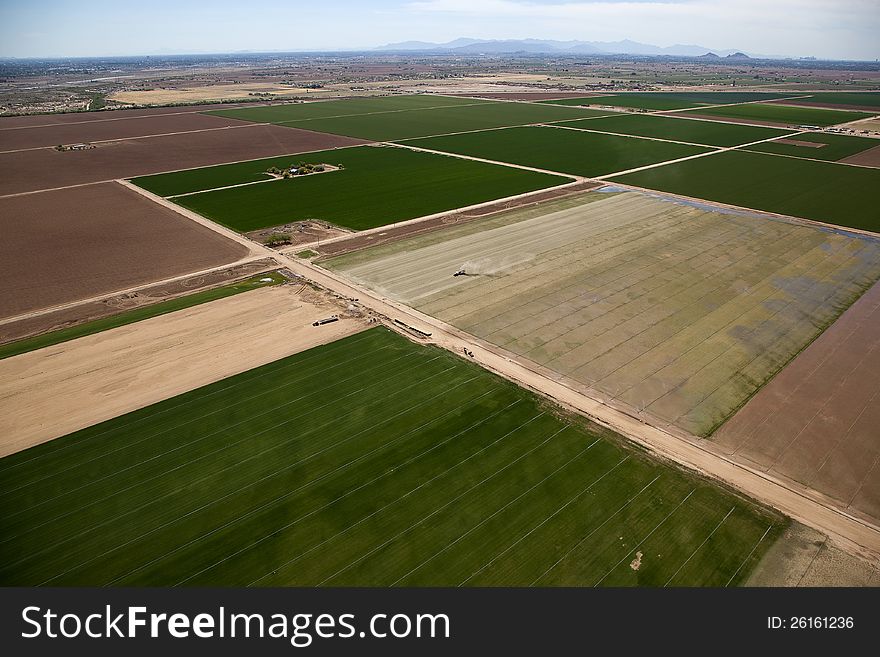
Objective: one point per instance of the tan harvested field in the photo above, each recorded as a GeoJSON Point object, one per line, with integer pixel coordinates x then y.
{"type": "Point", "coordinates": [71, 133]}
{"type": "Point", "coordinates": [92, 309]}
{"type": "Point", "coordinates": [868, 158]}
{"type": "Point", "coordinates": [800, 142]}
{"type": "Point", "coordinates": [47, 168]}
{"type": "Point", "coordinates": [32, 120]}
{"type": "Point", "coordinates": [71, 244]}
{"type": "Point", "coordinates": [53, 391]}
{"type": "Point", "coordinates": [818, 421]}
{"type": "Point", "coordinates": [678, 312]}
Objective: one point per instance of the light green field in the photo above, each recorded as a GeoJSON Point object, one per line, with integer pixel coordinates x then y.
{"type": "Point", "coordinates": [661, 100]}
{"type": "Point", "coordinates": [833, 193]}
{"type": "Point", "coordinates": [405, 117]}
{"type": "Point", "coordinates": [679, 312]}
{"type": "Point", "coordinates": [696, 132]}
{"type": "Point", "coordinates": [782, 114]}
{"type": "Point", "coordinates": [559, 149]}
{"type": "Point", "coordinates": [375, 187]}
{"type": "Point", "coordinates": [370, 461]}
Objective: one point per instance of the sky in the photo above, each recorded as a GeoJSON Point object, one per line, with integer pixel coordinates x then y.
{"type": "Point", "coordinates": [833, 29]}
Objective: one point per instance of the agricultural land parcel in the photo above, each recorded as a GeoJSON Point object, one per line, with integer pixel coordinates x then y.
{"type": "Point", "coordinates": [780, 114]}
{"type": "Point", "coordinates": [560, 149]}
{"type": "Point", "coordinates": [679, 312]}
{"type": "Point", "coordinates": [405, 117]}
{"type": "Point", "coordinates": [868, 101]}
{"type": "Point", "coordinates": [69, 386]}
{"type": "Point", "coordinates": [710, 133]}
{"type": "Point", "coordinates": [46, 168]}
{"type": "Point", "coordinates": [668, 101]}
{"type": "Point", "coordinates": [822, 191]}
{"type": "Point", "coordinates": [368, 461]}
{"type": "Point", "coordinates": [816, 421]}
{"type": "Point", "coordinates": [819, 145]}
{"type": "Point", "coordinates": [377, 186]}
{"type": "Point", "coordinates": [65, 245]}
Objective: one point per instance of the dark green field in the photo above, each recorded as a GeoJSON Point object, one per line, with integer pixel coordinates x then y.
{"type": "Point", "coordinates": [367, 120]}
{"type": "Point", "coordinates": [837, 147]}
{"type": "Point", "coordinates": [868, 101]}
{"type": "Point", "coordinates": [378, 186]}
{"type": "Point", "coordinates": [346, 107]}
{"type": "Point", "coordinates": [138, 314]}
{"type": "Point", "coordinates": [692, 131]}
{"type": "Point", "coordinates": [669, 100]}
{"type": "Point", "coordinates": [556, 149]}
{"type": "Point", "coordinates": [833, 193]}
{"type": "Point", "coordinates": [783, 114]}
{"type": "Point", "coordinates": [369, 461]}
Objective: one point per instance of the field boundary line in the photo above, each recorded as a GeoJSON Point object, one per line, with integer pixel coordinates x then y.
{"type": "Point", "coordinates": [699, 547]}
{"type": "Point", "coordinates": [501, 509]}
{"type": "Point", "coordinates": [543, 522]}
{"type": "Point", "coordinates": [641, 542]}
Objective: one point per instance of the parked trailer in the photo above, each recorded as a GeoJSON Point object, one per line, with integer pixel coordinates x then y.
{"type": "Point", "coordinates": [326, 320]}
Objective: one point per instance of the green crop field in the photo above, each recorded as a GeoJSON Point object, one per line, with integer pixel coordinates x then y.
{"type": "Point", "coordinates": [828, 192]}
{"type": "Point", "coordinates": [384, 119]}
{"type": "Point", "coordinates": [138, 314]}
{"type": "Point", "coordinates": [345, 107]}
{"type": "Point", "coordinates": [377, 186]}
{"type": "Point", "coordinates": [667, 100]}
{"type": "Point", "coordinates": [698, 132]}
{"type": "Point", "coordinates": [369, 461]}
{"type": "Point", "coordinates": [866, 101]}
{"type": "Point", "coordinates": [836, 147]}
{"type": "Point", "coordinates": [787, 114]}
{"type": "Point", "coordinates": [557, 149]}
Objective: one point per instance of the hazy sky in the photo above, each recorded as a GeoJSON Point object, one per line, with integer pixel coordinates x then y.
{"type": "Point", "coordinates": [840, 29]}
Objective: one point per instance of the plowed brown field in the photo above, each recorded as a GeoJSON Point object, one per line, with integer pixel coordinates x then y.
{"type": "Point", "coordinates": [817, 421]}
{"type": "Point", "coordinates": [60, 246]}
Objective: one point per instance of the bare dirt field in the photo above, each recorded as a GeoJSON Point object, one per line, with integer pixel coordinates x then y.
{"type": "Point", "coordinates": [47, 168]}
{"type": "Point", "coordinates": [868, 158]}
{"type": "Point", "coordinates": [678, 312]}
{"type": "Point", "coordinates": [111, 305]}
{"type": "Point", "coordinates": [53, 391]}
{"type": "Point", "coordinates": [817, 422]}
{"type": "Point", "coordinates": [804, 557]}
{"type": "Point", "coordinates": [374, 238]}
{"type": "Point", "coordinates": [71, 133]}
{"type": "Point", "coordinates": [77, 243]}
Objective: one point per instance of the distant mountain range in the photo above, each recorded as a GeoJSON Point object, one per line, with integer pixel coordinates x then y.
{"type": "Point", "coordinates": [466, 46]}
